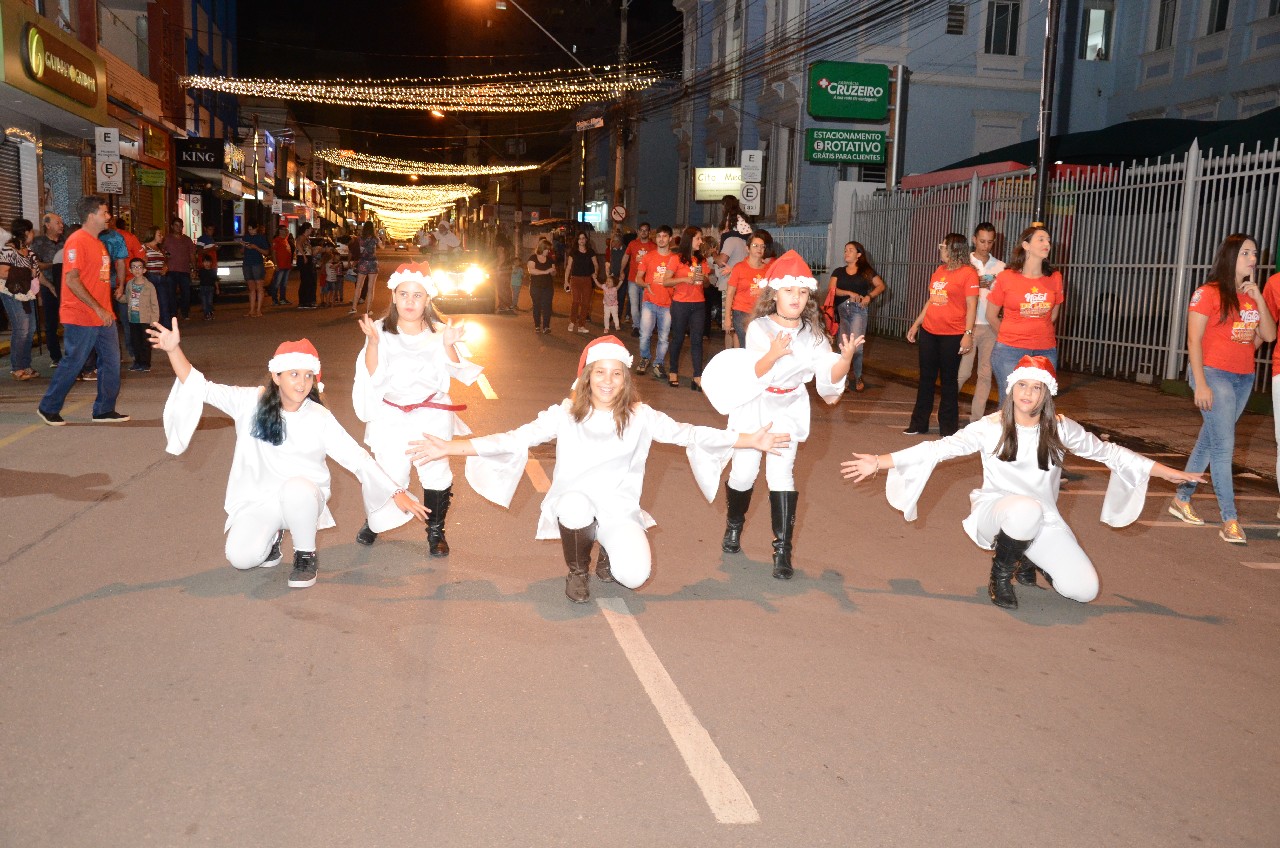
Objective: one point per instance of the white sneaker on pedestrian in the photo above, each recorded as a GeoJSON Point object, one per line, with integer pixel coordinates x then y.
{"type": "Point", "coordinates": [571, 328]}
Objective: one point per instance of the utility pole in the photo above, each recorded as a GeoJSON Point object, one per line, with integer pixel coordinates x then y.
{"type": "Point", "coordinates": [623, 114]}
{"type": "Point", "coordinates": [1047, 74]}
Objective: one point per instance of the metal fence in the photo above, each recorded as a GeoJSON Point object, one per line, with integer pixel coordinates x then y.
{"type": "Point", "coordinates": [1133, 241]}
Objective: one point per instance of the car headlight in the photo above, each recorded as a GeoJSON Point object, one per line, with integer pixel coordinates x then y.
{"type": "Point", "coordinates": [473, 277]}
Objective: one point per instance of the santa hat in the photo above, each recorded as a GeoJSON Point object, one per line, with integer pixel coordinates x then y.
{"type": "Point", "coordinates": [605, 347]}
{"type": "Point", "coordinates": [418, 273]}
{"type": "Point", "coordinates": [790, 270]}
{"type": "Point", "coordinates": [1034, 368]}
{"type": "Point", "coordinates": [296, 356]}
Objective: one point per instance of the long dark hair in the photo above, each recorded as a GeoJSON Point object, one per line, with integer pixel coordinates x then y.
{"type": "Point", "coordinates": [18, 230]}
{"type": "Point", "coordinates": [1019, 257]}
{"type": "Point", "coordinates": [1223, 273]}
{"type": "Point", "coordinates": [1050, 450]}
{"type": "Point", "coordinates": [268, 419]}
{"type": "Point", "coordinates": [732, 211]}
{"type": "Point", "coordinates": [863, 267]}
{"type": "Point", "coordinates": [687, 254]}
{"type": "Point", "coordinates": [430, 317]}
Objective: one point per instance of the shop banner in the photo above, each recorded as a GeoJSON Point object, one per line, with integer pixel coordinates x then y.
{"type": "Point", "coordinates": [712, 184]}
{"type": "Point", "coordinates": [153, 177]}
{"type": "Point", "coordinates": [853, 90]}
{"type": "Point", "coordinates": [46, 63]}
{"type": "Point", "coordinates": [865, 147]}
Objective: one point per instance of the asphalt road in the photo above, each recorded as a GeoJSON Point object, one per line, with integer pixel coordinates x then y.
{"type": "Point", "coordinates": [152, 695]}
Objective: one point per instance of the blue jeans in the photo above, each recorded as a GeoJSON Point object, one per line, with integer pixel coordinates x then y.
{"type": "Point", "coordinates": [517, 280]}
{"type": "Point", "coordinates": [164, 297]}
{"type": "Point", "coordinates": [1004, 361]}
{"type": "Point", "coordinates": [181, 283]}
{"type": "Point", "coordinates": [122, 319]}
{"type": "Point", "coordinates": [22, 325]}
{"type": "Point", "coordinates": [206, 300]}
{"type": "Point", "coordinates": [661, 316]}
{"type": "Point", "coordinates": [740, 321]}
{"type": "Point", "coordinates": [279, 282]}
{"type": "Point", "coordinates": [1217, 441]}
{"type": "Point", "coordinates": [635, 294]}
{"type": "Point", "coordinates": [853, 322]}
{"type": "Point", "coordinates": [79, 341]}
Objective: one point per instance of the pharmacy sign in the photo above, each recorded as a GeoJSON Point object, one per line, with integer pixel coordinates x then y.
{"type": "Point", "coordinates": [853, 90]}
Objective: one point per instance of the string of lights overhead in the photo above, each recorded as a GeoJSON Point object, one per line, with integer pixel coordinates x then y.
{"type": "Point", "coordinates": [548, 91]}
{"type": "Point", "coordinates": [401, 192]}
{"type": "Point", "coordinates": [389, 165]}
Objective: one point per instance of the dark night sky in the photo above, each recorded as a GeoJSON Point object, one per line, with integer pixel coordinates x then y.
{"type": "Point", "coordinates": [288, 39]}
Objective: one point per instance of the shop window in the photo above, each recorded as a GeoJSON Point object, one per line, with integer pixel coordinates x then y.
{"type": "Point", "coordinates": [1002, 27]}
{"type": "Point", "coordinates": [1096, 29]}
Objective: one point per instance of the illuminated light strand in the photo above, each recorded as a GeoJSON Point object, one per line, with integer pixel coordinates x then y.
{"type": "Point", "coordinates": [510, 93]}
{"type": "Point", "coordinates": [401, 192]}
{"type": "Point", "coordinates": [404, 205]}
{"type": "Point", "coordinates": [390, 165]}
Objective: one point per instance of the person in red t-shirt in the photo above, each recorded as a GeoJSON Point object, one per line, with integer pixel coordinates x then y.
{"type": "Point", "coordinates": [655, 277]}
{"type": "Point", "coordinates": [636, 251]}
{"type": "Point", "coordinates": [1271, 297]}
{"type": "Point", "coordinates": [1227, 322]}
{"type": "Point", "coordinates": [743, 288]}
{"type": "Point", "coordinates": [1030, 293]}
{"type": "Point", "coordinates": [88, 319]}
{"type": "Point", "coordinates": [688, 307]}
{"type": "Point", "coordinates": [945, 328]}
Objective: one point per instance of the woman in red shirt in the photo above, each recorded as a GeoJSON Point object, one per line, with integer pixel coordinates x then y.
{"type": "Point", "coordinates": [688, 307]}
{"type": "Point", "coordinates": [1226, 323]}
{"type": "Point", "coordinates": [945, 328]}
{"type": "Point", "coordinates": [1030, 292]}
{"type": "Point", "coordinates": [743, 288]}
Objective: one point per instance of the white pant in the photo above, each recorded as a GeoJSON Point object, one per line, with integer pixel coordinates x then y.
{"type": "Point", "coordinates": [779, 469]}
{"type": "Point", "coordinates": [1054, 547]}
{"type": "Point", "coordinates": [1275, 409]}
{"type": "Point", "coordinates": [388, 444]}
{"type": "Point", "coordinates": [611, 312]}
{"type": "Point", "coordinates": [630, 559]}
{"type": "Point", "coordinates": [297, 510]}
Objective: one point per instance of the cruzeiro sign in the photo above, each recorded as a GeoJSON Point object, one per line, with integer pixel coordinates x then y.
{"type": "Point", "coordinates": [865, 147]}
{"type": "Point", "coordinates": [853, 90]}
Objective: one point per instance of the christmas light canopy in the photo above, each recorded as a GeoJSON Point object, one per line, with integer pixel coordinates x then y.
{"type": "Point", "coordinates": [388, 165]}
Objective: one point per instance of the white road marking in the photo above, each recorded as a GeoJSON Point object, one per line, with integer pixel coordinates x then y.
{"type": "Point", "coordinates": [537, 476]}
{"type": "Point", "coordinates": [722, 790]}
{"type": "Point", "coordinates": [485, 388]}
{"type": "Point", "coordinates": [1262, 566]}
{"type": "Point", "coordinates": [463, 350]}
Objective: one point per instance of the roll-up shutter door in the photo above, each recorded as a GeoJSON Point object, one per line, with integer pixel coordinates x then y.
{"type": "Point", "coordinates": [10, 184]}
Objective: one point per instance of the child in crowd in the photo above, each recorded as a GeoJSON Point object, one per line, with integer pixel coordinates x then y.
{"type": "Point", "coordinates": [332, 277]}
{"type": "Point", "coordinates": [611, 302]}
{"type": "Point", "coordinates": [208, 276]}
{"type": "Point", "coordinates": [139, 295]}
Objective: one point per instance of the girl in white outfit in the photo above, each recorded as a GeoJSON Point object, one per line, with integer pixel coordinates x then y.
{"type": "Point", "coordinates": [763, 383]}
{"type": "Point", "coordinates": [401, 391]}
{"type": "Point", "coordinates": [1015, 512]}
{"type": "Point", "coordinates": [602, 434]}
{"type": "Point", "coordinates": [279, 478]}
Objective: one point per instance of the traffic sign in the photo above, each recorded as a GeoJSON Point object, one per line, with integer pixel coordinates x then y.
{"type": "Point", "coordinates": [618, 214]}
{"type": "Point", "coordinates": [751, 198]}
{"type": "Point", "coordinates": [752, 167]}
{"type": "Point", "coordinates": [110, 175]}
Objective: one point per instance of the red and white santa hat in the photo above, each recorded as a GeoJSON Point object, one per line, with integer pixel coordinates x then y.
{"type": "Point", "coordinates": [296, 356]}
{"type": "Point", "coordinates": [418, 273]}
{"type": "Point", "coordinates": [1034, 368]}
{"type": "Point", "coordinates": [789, 270]}
{"type": "Point", "coordinates": [605, 347]}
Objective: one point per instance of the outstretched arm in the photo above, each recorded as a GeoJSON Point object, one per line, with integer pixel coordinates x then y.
{"type": "Point", "coordinates": [762, 440]}
{"type": "Point", "coordinates": [1173, 475]}
{"type": "Point", "coordinates": [168, 341]}
{"type": "Point", "coordinates": [430, 448]}
{"type": "Point", "coordinates": [864, 465]}
{"type": "Point", "coordinates": [848, 347]}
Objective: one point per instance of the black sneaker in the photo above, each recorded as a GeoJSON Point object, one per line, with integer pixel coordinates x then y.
{"type": "Point", "coordinates": [274, 557]}
{"type": "Point", "coordinates": [365, 536]}
{"type": "Point", "coordinates": [304, 570]}
{"type": "Point", "coordinates": [53, 419]}
{"type": "Point", "coordinates": [111, 417]}
{"type": "Point", "coordinates": [642, 366]}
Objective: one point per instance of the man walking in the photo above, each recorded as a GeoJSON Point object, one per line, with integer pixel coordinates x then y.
{"type": "Point", "coordinates": [639, 247]}
{"type": "Point", "coordinates": [984, 340]}
{"type": "Point", "coordinates": [181, 251]}
{"type": "Point", "coordinates": [655, 269]}
{"type": "Point", "coordinates": [88, 319]}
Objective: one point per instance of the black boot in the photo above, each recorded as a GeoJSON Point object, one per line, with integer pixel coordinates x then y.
{"type": "Point", "coordinates": [737, 503]}
{"type": "Point", "coordinates": [365, 536]}
{"type": "Point", "coordinates": [1003, 565]}
{"type": "Point", "coordinates": [782, 508]}
{"type": "Point", "coordinates": [437, 500]}
{"type": "Point", "coordinates": [1026, 573]}
{"type": "Point", "coordinates": [577, 555]}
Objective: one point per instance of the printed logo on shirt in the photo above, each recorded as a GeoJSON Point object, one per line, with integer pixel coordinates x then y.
{"type": "Point", "coordinates": [1035, 304]}
{"type": "Point", "coordinates": [1195, 298]}
{"type": "Point", "coordinates": [71, 254]}
{"type": "Point", "coordinates": [104, 273]}
{"type": "Point", "coordinates": [938, 293]}
{"type": "Point", "coordinates": [1242, 330]}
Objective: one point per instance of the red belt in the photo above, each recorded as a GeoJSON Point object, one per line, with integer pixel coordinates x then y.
{"type": "Point", "coordinates": [777, 391]}
{"type": "Point", "coordinates": [428, 404]}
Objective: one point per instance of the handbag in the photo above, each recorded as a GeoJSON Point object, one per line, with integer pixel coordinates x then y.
{"type": "Point", "coordinates": [18, 282]}
{"type": "Point", "coordinates": [829, 316]}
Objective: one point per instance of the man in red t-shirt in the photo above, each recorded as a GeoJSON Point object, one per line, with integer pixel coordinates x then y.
{"type": "Point", "coordinates": [639, 247]}
{"type": "Point", "coordinates": [88, 319]}
{"type": "Point", "coordinates": [655, 268]}
{"type": "Point", "coordinates": [1271, 297]}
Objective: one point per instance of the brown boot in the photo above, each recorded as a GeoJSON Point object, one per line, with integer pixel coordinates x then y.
{"type": "Point", "coordinates": [602, 566]}
{"type": "Point", "coordinates": [577, 555]}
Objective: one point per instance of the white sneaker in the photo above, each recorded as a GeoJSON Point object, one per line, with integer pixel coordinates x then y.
{"type": "Point", "coordinates": [571, 328]}
{"type": "Point", "coordinates": [582, 329]}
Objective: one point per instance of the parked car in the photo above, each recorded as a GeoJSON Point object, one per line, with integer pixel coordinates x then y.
{"type": "Point", "coordinates": [231, 267]}
{"type": "Point", "coordinates": [463, 282]}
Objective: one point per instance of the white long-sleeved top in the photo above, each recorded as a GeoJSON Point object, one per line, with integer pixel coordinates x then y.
{"type": "Point", "coordinates": [259, 469]}
{"type": "Point", "coordinates": [410, 370]}
{"type": "Point", "coordinates": [591, 459]}
{"type": "Point", "coordinates": [1126, 488]}
{"type": "Point", "coordinates": [730, 382]}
